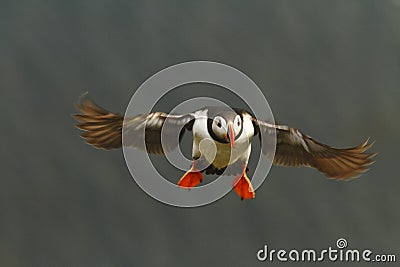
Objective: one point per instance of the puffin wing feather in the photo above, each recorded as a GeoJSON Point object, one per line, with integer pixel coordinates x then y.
{"type": "Point", "coordinates": [293, 148]}
{"type": "Point", "coordinates": [103, 129]}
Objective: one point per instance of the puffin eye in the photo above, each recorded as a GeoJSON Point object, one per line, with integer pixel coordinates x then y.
{"type": "Point", "coordinates": [238, 123]}
{"type": "Point", "coordinates": [219, 124]}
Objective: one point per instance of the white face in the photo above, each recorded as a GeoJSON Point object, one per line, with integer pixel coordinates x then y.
{"type": "Point", "coordinates": [220, 126]}
{"type": "Point", "coordinates": [237, 125]}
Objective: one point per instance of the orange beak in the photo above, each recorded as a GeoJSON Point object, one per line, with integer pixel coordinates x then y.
{"type": "Point", "coordinates": [231, 135]}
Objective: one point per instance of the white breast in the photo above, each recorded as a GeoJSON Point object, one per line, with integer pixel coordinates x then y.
{"type": "Point", "coordinates": [220, 154]}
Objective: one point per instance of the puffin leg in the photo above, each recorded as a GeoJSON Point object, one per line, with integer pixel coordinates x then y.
{"type": "Point", "coordinates": [242, 185]}
{"type": "Point", "coordinates": [191, 178]}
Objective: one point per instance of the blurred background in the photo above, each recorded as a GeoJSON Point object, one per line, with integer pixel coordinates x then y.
{"type": "Point", "coordinates": [329, 68]}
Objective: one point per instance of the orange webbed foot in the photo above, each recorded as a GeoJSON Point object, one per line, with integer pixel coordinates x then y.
{"type": "Point", "coordinates": [191, 178]}
{"type": "Point", "coordinates": [243, 187]}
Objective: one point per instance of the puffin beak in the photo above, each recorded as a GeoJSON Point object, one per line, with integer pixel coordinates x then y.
{"type": "Point", "coordinates": [231, 135]}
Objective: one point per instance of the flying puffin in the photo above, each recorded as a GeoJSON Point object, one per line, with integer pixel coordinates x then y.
{"type": "Point", "coordinates": [231, 130]}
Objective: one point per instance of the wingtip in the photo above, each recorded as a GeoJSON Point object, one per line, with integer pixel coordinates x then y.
{"type": "Point", "coordinates": [372, 143]}
{"type": "Point", "coordinates": [369, 142]}
{"type": "Point", "coordinates": [83, 95]}
{"type": "Point", "coordinates": [82, 99]}
{"type": "Point", "coordinates": [364, 146]}
{"type": "Point", "coordinates": [78, 103]}
{"type": "Point", "coordinates": [369, 163]}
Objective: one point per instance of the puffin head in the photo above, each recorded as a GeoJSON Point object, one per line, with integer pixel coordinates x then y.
{"type": "Point", "coordinates": [226, 127]}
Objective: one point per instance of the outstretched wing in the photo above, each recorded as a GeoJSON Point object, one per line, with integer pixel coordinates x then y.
{"type": "Point", "coordinates": [103, 129]}
{"type": "Point", "coordinates": [294, 148]}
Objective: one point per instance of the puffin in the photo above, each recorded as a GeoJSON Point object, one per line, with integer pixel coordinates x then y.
{"type": "Point", "coordinates": [222, 138]}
